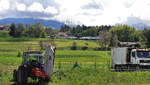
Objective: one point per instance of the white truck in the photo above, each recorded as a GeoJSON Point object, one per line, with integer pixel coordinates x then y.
{"type": "Point", "coordinates": [124, 58]}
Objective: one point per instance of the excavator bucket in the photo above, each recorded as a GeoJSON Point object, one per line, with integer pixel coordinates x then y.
{"type": "Point", "coordinates": [49, 60]}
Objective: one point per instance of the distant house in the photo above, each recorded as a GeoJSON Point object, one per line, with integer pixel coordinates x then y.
{"type": "Point", "coordinates": [2, 27]}
{"type": "Point", "coordinates": [62, 34]}
{"type": "Point", "coordinates": [128, 44]}
{"type": "Point", "coordinates": [89, 38]}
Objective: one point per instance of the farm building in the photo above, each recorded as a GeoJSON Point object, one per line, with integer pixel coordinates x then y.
{"type": "Point", "coordinates": [89, 38]}
{"type": "Point", "coordinates": [62, 34]}
{"type": "Point", "coordinates": [2, 27]}
{"type": "Point", "coordinates": [128, 44]}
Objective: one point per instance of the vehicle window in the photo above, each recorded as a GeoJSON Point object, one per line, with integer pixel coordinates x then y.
{"type": "Point", "coordinates": [133, 54]}
{"type": "Point", "coordinates": [33, 58]}
{"type": "Point", "coordinates": [143, 54]}
{"type": "Point", "coordinates": [49, 57]}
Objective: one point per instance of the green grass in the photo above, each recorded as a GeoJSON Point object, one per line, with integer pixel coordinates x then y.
{"type": "Point", "coordinates": [87, 74]}
{"type": "Point", "coordinates": [4, 34]}
{"type": "Point", "coordinates": [93, 64]}
{"type": "Point", "coordinates": [99, 76]}
{"type": "Point", "coordinates": [21, 46]}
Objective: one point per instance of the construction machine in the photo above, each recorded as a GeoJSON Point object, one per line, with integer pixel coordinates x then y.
{"type": "Point", "coordinates": [34, 65]}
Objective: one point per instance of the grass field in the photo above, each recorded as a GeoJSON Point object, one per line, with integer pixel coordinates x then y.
{"type": "Point", "coordinates": [93, 64]}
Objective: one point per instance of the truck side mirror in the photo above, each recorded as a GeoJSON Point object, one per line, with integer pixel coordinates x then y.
{"type": "Point", "coordinates": [133, 54]}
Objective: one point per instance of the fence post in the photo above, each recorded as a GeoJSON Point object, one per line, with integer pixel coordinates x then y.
{"type": "Point", "coordinates": [108, 64]}
{"type": "Point", "coordinates": [59, 65]}
{"type": "Point", "coordinates": [95, 65]}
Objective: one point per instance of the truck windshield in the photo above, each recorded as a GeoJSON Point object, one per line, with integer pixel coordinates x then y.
{"type": "Point", "coordinates": [143, 54]}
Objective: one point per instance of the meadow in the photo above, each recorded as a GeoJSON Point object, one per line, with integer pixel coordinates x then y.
{"type": "Point", "coordinates": [94, 68]}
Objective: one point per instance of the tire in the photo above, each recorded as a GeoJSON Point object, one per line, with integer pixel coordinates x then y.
{"type": "Point", "coordinates": [117, 68]}
{"type": "Point", "coordinates": [43, 81]}
{"type": "Point", "coordinates": [21, 76]}
{"type": "Point", "coordinates": [137, 67]}
{"type": "Point", "coordinates": [14, 75]}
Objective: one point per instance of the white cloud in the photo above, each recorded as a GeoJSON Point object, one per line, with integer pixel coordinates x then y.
{"type": "Point", "coordinates": [109, 11]}
{"type": "Point", "coordinates": [21, 7]}
{"type": "Point", "coordinates": [88, 12]}
{"type": "Point", "coordinates": [72, 10]}
{"type": "Point", "coordinates": [71, 7]}
{"type": "Point", "coordinates": [141, 9]}
{"type": "Point", "coordinates": [50, 10]}
{"type": "Point", "coordinates": [36, 7]}
{"type": "Point", "coordinates": [4, 5]}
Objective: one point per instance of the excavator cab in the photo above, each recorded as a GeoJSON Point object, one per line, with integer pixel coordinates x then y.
{"type": "Point", "coordinates": [32, 55]}
{"type": "Point", "coordinates": [33, 58]}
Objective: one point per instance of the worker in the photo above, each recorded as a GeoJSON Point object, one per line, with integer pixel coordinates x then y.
{"type": "Point", "coordinates": [76, 65]}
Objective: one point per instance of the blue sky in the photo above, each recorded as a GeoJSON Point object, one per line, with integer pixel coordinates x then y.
{"type": "Point", "coordinates": [88, 12]}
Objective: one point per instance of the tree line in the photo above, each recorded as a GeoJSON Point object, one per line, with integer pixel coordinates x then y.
{"type": "Point", "coordinates": [109, 36]}
{"type": "Point", "coordinates": [80, 31]}
{"type": "Point", "coordinates": [124, 33]}
{"type": "Point", "coordinates": [36, 30]}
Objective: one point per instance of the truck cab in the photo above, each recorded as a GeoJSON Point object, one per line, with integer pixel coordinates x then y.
{"type": "Point", "coordinates": [141, 57]}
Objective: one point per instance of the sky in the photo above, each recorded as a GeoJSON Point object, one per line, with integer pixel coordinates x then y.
{"type": "Point", "coordinates": [88, 12]}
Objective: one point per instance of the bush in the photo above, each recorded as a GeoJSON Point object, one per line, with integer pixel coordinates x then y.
{"type": "Point", "coordinates": [19, 54]}
{"type": "Point", "coordinates": [41, 43]}
{"type": "Point", "coordinates": [43, 35]}
{"type": "Point", "coordinates": [85, 47]}
{"type": "Point", "coordinates": [102, 49]}
{"type": "Point", "coordinates": [74, 46]}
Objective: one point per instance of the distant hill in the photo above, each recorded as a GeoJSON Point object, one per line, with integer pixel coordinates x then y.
{"type": "Point", "coordinates": [48, 23]}
{"type": "Point", "coordinates": [140, 26]}
{"type": "Point", "coordinates": [137, 23]}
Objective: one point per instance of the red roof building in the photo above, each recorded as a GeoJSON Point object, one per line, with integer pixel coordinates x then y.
{"type": "Point", "coordinates": [2, 27]}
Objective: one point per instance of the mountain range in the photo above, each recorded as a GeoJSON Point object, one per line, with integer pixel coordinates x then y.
{"type": "Point", "coordinates": [140, 26]}
{"type": "Point", "coordinates": [47, 23]}
{"type": "Point", "coordinates": [54, 23]}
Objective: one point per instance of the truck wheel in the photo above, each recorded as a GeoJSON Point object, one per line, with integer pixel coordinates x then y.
{"type": "Point", "coordinates": [137, 67]}
{"type": "Point", "coordinates": [14, 75]}
{"type": "Point", "coordinates": [43, 81]}
{"type": "Point", "coordinates": [117, 68]}
{"type": "Point", "coordinates": [21, 76]}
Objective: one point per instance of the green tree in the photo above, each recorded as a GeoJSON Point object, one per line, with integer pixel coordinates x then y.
{"type": "Point", "coordinates": [113, 41]}
{"type": "Point", "coordinates": [38, 29]}
{"type": "Point", "coordinates": [35, 30]}
{"type": "Point", "coordinates": [90, 32]}
{"type": "Point", "coordinates": [64, 28]}
{"type": "Point", "coordinates": [30, 31]}
{"type": "Point", "coordinates": [12, 31]}
{"type": "Point", "coordinates": [104, 39]}
{"type": "Point", "coordinates": [77, 31]}
{"type": "Point", "coordinates": [146, 34]}
{"type": "Point", "coordinates": [43, 35]}
{"type": "Point", "coordinates": [49, 31]}
{"type": "Point", "coordinates": [20, 30]}
{"type": "Point", "coordinates": [142, 42]}
{"type": "Point", "coordinates": [125, 33]}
